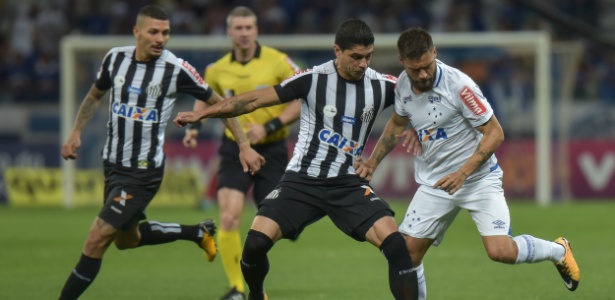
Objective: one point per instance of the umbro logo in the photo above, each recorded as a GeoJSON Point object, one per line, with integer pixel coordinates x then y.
{"type": "Point", "coordinates": [499, 224]}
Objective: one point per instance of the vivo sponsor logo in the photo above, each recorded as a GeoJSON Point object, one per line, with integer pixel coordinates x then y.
{"type": "Point", "coordinates": [298, 73]}
{"type": "Point", "coordinates": [598, 173]}
{"type": "Point", "coordinates": [136, 113]}
{"type": "Point", "coordinates": [472, 102]}
{"type": "Point", "coordinates": [345, 145]}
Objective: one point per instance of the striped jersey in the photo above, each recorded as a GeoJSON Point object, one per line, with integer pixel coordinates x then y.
{"type": "Point", "coordinates": [337, 116]}
{"type": "Point", "coordinates": [445, 119]}
{"type": "Point", "coordinates": [268, 67]}
{"type": "Point", "coordinates": [141, 101]}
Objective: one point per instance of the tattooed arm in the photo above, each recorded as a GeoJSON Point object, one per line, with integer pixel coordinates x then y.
{"type": "Point", "coordinates": [86, 111]}
{"type": "Point", "coordinates": [388, 140]}
{"type": "Point", "coordinates": [231, 107]}
{"type": "Point", "coordinates": [493, 136]}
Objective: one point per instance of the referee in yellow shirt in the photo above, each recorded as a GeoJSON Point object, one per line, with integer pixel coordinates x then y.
{"type": "Point", "coordinates": [248, 67]}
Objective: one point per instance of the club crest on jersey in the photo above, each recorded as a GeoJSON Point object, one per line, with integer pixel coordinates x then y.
{"type": "Point", "coordinates": [154, 89]}
{"type": "Point", "coordinates": [136, 113]}
{"type": "Point", "coordinates": [472, 102]}
{"type": "Point", "coordinates": [426, 135]}
{"type": "Point", "coordinates": [330, 110]}
{"type": "Point", "coordinates": [343, 144]}
{"type": "Point", "coordinates": [368, 114]}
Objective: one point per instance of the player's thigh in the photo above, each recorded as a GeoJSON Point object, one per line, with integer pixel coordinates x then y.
{"type": "Point", "coordinates": [276, 157]}
{"type": "Point", "coordinates": [293, 206]}
{"type": "Point", "coordinates": [429, 215]}
{"type": "Point", "coordinates": [127, 196]}
{"type": "Point", "coordinates": [487, 205]}
{"type": "Point", "coordinates": [354, 208]}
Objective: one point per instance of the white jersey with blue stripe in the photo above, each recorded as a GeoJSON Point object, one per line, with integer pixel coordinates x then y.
{"type": "Point", "coordinates": [445, 119]}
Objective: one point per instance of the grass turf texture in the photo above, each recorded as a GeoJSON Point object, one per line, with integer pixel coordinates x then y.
{"type": "Point", "coordinates": [40, 246]}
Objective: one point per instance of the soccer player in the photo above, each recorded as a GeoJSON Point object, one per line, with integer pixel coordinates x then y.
{"type": "Point", "coordinates": [143, 80]}
{"type": "Point", "coordinates": [249, 66]}
{"type": "Point", "coordinates": [340, 102]}
{"type": "Point", "coordinates": [457, 168]}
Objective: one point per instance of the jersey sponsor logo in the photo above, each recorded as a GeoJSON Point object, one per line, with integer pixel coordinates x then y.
{"type": "Point", "coordinates": [298, 73]}
{"type": "Point", "coordinates": [134, 90]}
{"type": "Point", "coordinates": [427, 135]}
{"type": "Point", "coordinates": [406, 99]}
{"type": "Point", "coordinates": [136, 113]}
{"type": "Point", "coordinates": [498, 224]}
{"type": "Point", "coordinates": [390, 77]}
{"type": "Point", "coordinates": [433, 99]}
{"type": "Point", "coordinates": [330, 110]}
{"type": "Point", "coordinates": [343, 144]}
{"type": "Point", "coordinates": [349, 120]}
{"type": "Point", "coordinates": [472, 102]}
{"type": "Point", "coordinates": [192, 71]}
{"type": "Point", "coordinates": [368, 114]}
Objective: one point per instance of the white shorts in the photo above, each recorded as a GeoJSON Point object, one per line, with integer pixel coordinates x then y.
{"type": "Point", "coordinates": [432, 211]}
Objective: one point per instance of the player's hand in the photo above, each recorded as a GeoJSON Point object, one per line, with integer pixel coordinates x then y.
{"type": "Point", "coordinates": [255, 133]}
{"type": "Point", "coordinates": [69, 149]}
{"type": "Point", "coordinates": [363, 169]}
{"type": "Point", "coordinates": [183, 118]}
{"type": "Point", "coordinates": [411, 142]}
{"type": "Point", "coordinates": [250, 160]}
{"type": "Point", "coordinates": [451, 183]}
{"type": "Point", "coordinates": [190, 138]}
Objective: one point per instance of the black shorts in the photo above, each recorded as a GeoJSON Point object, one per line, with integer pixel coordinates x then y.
{"type": "Point", "coordinates": [299, 201]}
{"type": "Point", "coordinates": [231, 174]}
{"type": "Point", "coordinates": [127, 194]}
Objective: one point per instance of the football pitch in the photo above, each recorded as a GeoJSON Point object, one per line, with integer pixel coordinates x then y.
{"type": "Point", "coordinates": [40, 246]}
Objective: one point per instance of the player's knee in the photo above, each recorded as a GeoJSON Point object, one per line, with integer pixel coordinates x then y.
{"type": "Point", "coordinates": [229, 220]}
{"type": "Point", "coordinates": [256, 246]}
{"type": "Point", "coordinates": [394, 249]}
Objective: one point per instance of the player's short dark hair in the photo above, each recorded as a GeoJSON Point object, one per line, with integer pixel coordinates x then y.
{"type": "Point", "coordinates": [154, 11]}
{"type": "Point", "coordinates": [413, 43]}
{"type": "Point", "coordinates": [353, 32]}
{"type": "Point", "coordinates": [240, 11]}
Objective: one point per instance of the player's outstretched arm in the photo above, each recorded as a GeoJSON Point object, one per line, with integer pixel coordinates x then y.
{"type": "Point", "coordinates": [388, 140]}
{"type": "Point", "coordinates": [88, 108]}
{"type": "Point", "coordinates": [231, 107]}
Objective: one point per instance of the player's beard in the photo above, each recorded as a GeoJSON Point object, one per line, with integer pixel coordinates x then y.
{"type": "Point", "coordinates": [423, 85]}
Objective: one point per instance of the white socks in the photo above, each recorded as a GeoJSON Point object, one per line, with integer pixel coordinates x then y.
{"type": "Point", "coordinates": [420, 275]}
{"type": "Point", "coordinates": [533, 250]}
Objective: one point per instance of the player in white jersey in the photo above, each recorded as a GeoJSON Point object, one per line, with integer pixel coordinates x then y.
{"type": "Point", "coordinates": [457, 168]}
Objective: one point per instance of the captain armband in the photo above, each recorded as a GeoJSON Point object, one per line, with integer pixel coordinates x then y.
{"type": "Point", "coordinates": [273, 125]}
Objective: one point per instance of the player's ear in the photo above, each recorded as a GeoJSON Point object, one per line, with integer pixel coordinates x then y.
{"type": "Point", "coordinates": [135, 31]}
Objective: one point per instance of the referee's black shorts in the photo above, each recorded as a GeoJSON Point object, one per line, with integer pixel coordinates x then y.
{"type": "Point", "coordinates": [299, 201]}
{"type": "Point", "coordinates": [231, 174]}
{"type": "Point", "coordinates": [128, 192]}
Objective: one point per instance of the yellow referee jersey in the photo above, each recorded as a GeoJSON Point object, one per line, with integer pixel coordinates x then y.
{"type": "Point", "coordinates": [228, 77]}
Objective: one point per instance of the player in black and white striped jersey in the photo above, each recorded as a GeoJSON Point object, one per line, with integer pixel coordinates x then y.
{"type": "Point", "coordinates": [143, 82]}
{"type": "Point", "coordinates": [340, 100]}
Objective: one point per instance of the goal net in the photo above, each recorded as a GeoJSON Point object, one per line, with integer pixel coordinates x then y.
{"type": "Point", "coordinates": [512, 69]}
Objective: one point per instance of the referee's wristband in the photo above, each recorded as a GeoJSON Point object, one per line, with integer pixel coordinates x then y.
{"type": "Point", "coordinates": [196, 125]}
{"type": "Point", "coordinates": [273, 125]}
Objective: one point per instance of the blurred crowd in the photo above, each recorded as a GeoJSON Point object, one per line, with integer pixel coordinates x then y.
{"type": "Point", "coordinates": [31, 30]}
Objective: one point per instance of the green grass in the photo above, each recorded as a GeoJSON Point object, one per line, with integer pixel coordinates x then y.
{"type": "Point", "coordinates": [39, 247]}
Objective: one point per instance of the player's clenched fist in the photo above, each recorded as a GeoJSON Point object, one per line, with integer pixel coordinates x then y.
{"type": "Point", "coordinates": [183, 118]}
